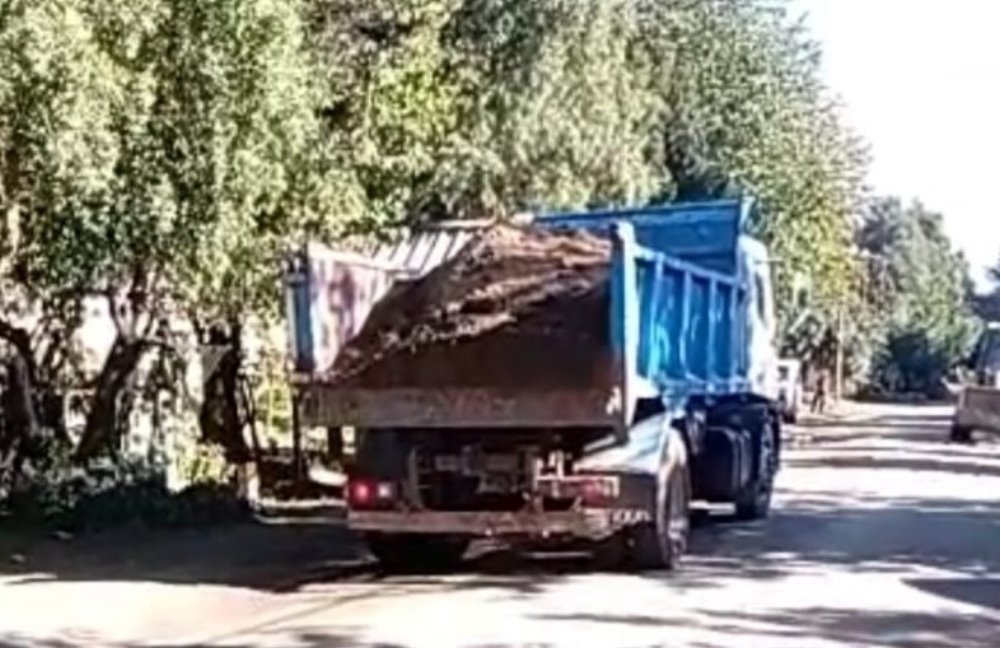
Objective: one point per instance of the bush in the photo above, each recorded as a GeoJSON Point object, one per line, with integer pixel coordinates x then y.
{"type": "Point", "coordinates": [118, 494]}
{"type": "Point", "coordinates": [915, 361]}
{"type": "Point", "coordinates": [199, 463]}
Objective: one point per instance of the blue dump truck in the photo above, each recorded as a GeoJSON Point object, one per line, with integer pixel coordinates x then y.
{"type": "Point", "coordinates": [585, 406]}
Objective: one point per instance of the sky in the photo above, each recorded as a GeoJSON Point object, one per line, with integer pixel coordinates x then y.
{"type": "Point", "coordinates": [920, 81]}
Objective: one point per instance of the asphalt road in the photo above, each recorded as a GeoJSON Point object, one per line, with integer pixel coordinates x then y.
{"type": "Point", "coordinates": [883, 534]}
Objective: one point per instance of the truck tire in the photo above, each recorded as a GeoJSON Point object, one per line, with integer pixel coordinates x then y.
{"type": "Point", "coordinates": [754, 502]}
{"type": "Point", "coordinates": [416, 552]}
{"type": "Point", "coordinates": [661, 543]}
{"type": "Point", "coordinates": [612, 554]}
{"type": "Point", "coordinates": [960, 434]}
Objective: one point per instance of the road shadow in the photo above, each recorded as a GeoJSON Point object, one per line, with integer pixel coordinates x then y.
{"type": "Point", "coordinates": [859, 535]}
{"type": "Point", "coordinates": [812, 532]}
{"type": "Point", "coordinates": [258, 554]}
{"type": "Point", "coordinates": [822, 532]}
{"type": "Point", "coordinates": [920, 463]}
{"type": "Point", "coordinates": [983, 592]}
{"type": "Point", "coordinates": [800, 626]}
{"type": "Point", "coordinates": [924, 425]}
{"type": "Point", "coordinates": [929, 422]}
{"type": "Point", "coordinates": [305, 638]}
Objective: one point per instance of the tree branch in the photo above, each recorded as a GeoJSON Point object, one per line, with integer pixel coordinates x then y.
{"type": "Point", "coordinates": [20, 340]}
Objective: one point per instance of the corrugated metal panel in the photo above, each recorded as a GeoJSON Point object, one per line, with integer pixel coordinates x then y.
{"type": "Point", "coordinates": [423, 250]}
{"type": "Point", "coordinates": [332, 292]}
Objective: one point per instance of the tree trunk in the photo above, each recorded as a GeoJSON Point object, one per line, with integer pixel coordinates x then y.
{"type": "Point", "coordinates": [102, 427]}
{"type": "Point", "coordinates": [250, 410]}
{"type": "Point", "coordinates": [21, 434]}
{"type": "Point", "coordinates": [335, 445]}
{"type": "Point", "coordinates": [220, 418]}
{"type": "Point", "coordinates": [20, 431]}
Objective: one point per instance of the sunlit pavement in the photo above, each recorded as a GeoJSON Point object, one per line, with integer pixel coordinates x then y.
{"type": "Point", "coordinates": [884, 534]}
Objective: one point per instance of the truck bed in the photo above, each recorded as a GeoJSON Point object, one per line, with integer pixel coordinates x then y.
{"type": "Point", "coordinates": [566, 323]}
{"type": "Point", "coordinates": [513, 328]}
{"type": "Point", "coordinates": [486, 317]}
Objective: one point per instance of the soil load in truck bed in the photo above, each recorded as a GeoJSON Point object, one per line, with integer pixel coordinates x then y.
{"type": "Point", "coordinates": [519, 307]}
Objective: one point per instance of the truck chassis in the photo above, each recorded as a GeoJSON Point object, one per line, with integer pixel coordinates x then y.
{"type": "Point", "coordinates": [420, 496]}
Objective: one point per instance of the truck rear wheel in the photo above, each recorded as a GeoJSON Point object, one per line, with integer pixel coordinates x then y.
{"type": "Point", "coordinates": [661, 543]}
{"type": "Point", "coordinates": [960, 434]}
{"type": "Point", "coordinates": [416, 552]}
{"type": "Point", "coordinates": [754, 502]}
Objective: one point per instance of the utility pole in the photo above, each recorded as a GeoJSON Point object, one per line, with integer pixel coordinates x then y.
{"type": "Point", "coordinates": [297, 455]}
{"type": "Point", "coordinates": [838, 381]}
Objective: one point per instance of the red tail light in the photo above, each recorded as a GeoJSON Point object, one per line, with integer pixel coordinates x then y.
{"type": "Point", "coordinates": [367, 493]}
{"type": "Point", "coordinates": [597, 490]}
{"type": "Point", "coordinates": [590, 489]}
{"type": "Point", "coordinates": [360, 492]}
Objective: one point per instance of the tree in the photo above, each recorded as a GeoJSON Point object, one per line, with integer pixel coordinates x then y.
{"type": "Point", "coordinates": [485, 107]}
{"type": "Point", "coordinates": [163, 154]}
{"type": "Point", "coordinates": [554, 107]}
{"type": "Point", "coordinates": [745, 111]}
{"type": "Point", "coordinates": [455, 108]}
{"type": "Point", "coordinates": [922, 320]}
{"type": "Point", "coordinates": [987, 304]}
{"type": "Point", "coordinates": [994, 272]}
{"type": "Point", "coordinates": [389, 102]}
{"type": "Point", "coordinates": [160, 153]}
{"type": "Point", "coordinates": [55, 90]}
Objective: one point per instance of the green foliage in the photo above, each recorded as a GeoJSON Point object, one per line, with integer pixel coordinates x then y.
{"type": "Point", "coordinates": [555, 107]}
{"type": "Point", "coordinates": [389, 101]}
{"type": "Point", "coordinates": [746, 112]}
{"type": "Point", "coordinates": [201, 464]}
{"type": "Point", "coordinates": [484, 107]}
{"type": "Point", "coordinates": [918, 296]}
{"type": "Point", "coordinates": [166, 153]}
{"type": "Point", "coordinates": [162, 152]}
{"type": "Point", "coordinates": [103, 496]}
{"type": "Point", "coordinates": [162, 146]}
{"type": "Point", "coordinates": [185, 144]}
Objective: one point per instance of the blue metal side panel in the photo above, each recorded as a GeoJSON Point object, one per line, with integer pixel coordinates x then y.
{"type": "Point", "coordinates": [703, 233]}
{"type": "Point", "coordinates": [698, 330]}
{"type": "Point", "coordinates": [625, 325]}
{"type": "Point", "coordinates": [675, 324]}
{"type": "Point", "coordinates": [671, 330]}
{"type": "Point", "coordinates": [300, 314]}
{"type": "Point", "coordinates": [723, 327]}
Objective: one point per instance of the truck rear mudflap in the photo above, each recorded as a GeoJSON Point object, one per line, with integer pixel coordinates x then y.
{"type": "Point", "coordinates": [586, 523]}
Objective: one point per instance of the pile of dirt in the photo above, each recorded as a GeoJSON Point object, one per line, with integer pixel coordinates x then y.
{"type": "Point", "coordinates": [518, 306]}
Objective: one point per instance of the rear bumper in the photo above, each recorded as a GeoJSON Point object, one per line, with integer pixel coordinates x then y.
{"type": "Point", "coordinates": [586, 523]}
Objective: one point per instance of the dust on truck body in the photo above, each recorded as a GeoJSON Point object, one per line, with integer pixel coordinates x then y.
{"type": "Point", "coordinates": [683, 408]}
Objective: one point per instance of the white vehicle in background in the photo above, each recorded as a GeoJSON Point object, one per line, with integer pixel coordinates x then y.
{"type": "Point", "coordinates": [789, 388]}
{"type": "Point", "coordinates": [978, 407]}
